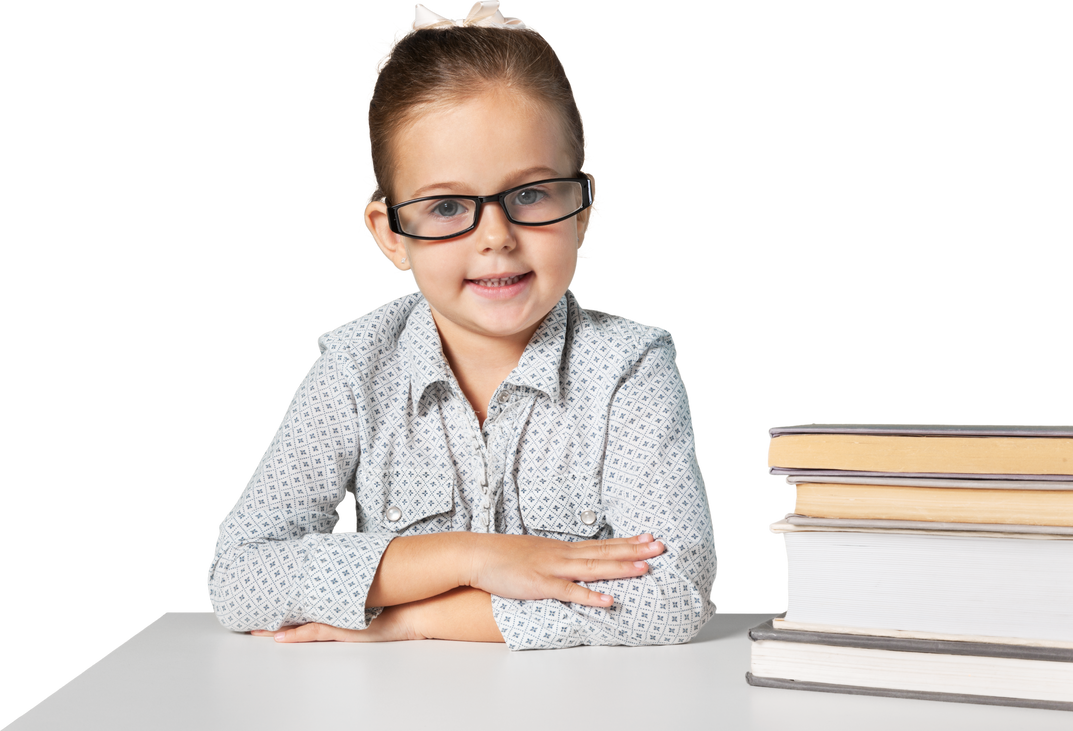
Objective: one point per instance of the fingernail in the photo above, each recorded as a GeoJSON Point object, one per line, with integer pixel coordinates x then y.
{"type": "Point", "coordinates": [279, 636]}
{"type": "Point", "coordinates": [606, 599]}
{"type": "Point", "coordinates": [639, 564]}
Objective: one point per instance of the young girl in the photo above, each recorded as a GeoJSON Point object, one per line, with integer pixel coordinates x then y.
{"type": "Point", "coordinates": [524, 469]}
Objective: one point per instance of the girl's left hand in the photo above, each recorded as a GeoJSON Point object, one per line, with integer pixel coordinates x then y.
{"type": "Point", "coordinates": [392, 625]}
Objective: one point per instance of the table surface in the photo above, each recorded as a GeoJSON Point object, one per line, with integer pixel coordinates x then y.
{"type": "Point", "coordinates": [185, 671]}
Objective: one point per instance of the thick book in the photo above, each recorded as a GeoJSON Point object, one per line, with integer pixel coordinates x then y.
{"type": "Point", "coordinates": [958, 501]}
{"type": "Point", "coordinates": [1039, 452]}
{"type": "Point", "coordinates": [962, 672]}
{"type": "Point", "coordinates": [992, 582]}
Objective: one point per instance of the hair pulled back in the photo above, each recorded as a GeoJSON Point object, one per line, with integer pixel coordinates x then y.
{"type": "Point", "coordinates": [434, 68]}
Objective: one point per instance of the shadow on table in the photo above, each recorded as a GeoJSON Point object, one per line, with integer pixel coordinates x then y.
{"type": "Point", "coordinates": [722, 626]}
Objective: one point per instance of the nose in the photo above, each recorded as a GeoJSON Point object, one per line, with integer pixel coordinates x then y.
{"type": "Point", "coordinates": [494, 228]}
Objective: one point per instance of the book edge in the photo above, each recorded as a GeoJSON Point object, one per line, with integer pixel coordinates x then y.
{"type": "Point", "coordinates": [991, 476]}
{"type": "Point", "coordinates": [918, 526]}
{"type": "Point", "coordinates": [768, 631]}
{"type": "Point", "coordinates": [925, 430]}
{"type": "Point", "coordinates": [926, 482]}
{"type": "Point", "coordinates": [782, 683]}
{"type": "Point", "coordinates": [780, 623]}
{"type": "Point", "coordinates": [785, 526]}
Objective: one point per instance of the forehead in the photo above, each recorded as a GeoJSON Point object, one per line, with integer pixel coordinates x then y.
{"type": "Point", "coordinates": [481, 144]}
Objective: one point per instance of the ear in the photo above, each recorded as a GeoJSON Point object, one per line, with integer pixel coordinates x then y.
{"type": "Point", "coordinates": [392, 244]}
{"type": "Point", "coordinates": [582, 225]}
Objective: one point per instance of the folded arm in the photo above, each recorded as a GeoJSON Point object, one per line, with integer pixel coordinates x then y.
{"type": "Point", "coordinates": [414, 568]}
{"type": "Point", "coordinates": [463, 614]}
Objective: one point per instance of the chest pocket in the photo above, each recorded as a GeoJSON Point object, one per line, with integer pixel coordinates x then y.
{"type": "Point", "coordinates": [411, 503]}
{"type": "Point", "coordinates": [566, 506]}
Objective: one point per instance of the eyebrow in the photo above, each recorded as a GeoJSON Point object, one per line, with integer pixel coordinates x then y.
{"type": "Point", "coordinates": [520, 177]}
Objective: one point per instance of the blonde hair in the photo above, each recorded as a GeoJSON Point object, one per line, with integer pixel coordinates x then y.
{"type": "Point", "coordinates": [430, 70]}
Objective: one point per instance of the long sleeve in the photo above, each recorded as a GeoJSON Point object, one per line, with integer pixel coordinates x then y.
{"type": "Point", "coordinates": [651, 483]}
{"type": "Point", "coordinates": [277, 562]}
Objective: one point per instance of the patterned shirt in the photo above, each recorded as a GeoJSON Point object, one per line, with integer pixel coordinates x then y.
{"type": "Point", "coordinates": [589, 437]}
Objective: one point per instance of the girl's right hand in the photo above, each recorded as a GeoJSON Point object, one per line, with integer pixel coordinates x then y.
{"type": "Point", "coordinates": [530, 567]}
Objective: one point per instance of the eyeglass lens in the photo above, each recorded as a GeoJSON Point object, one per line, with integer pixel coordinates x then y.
{"type": "Point", "coordinates": [447, 216]}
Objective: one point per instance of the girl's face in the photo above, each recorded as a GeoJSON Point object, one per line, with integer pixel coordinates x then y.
{"type": "Point", "coordinates": [486, 145]}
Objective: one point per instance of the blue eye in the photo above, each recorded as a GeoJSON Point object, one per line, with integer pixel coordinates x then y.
{"type": "Point", "coordinates": [528, 197]}
{"type": "Point", "coordinates": [448, 208]}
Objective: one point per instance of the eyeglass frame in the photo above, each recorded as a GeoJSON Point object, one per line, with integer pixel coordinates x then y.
{"type": "Point", "coordinates": [480, 200]}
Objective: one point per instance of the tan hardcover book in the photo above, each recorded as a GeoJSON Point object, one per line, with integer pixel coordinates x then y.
{"type": "Point", "coordinates": [934, 504]}
{"type": "Point", "coordinates": [923, 450]}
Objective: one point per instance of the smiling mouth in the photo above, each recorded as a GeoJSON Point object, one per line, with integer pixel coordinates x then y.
{"type": "Point", "coordinates": [503, 282]}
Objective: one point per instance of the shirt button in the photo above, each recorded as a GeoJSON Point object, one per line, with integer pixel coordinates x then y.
{"type": "Point", "coordinates": [503, 397]}
{"type": "Point", "coordinates": [588, 517]}
{"type": "Point", "coordinates": [393, 514]}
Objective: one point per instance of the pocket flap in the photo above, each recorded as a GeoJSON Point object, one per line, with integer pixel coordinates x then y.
{"type": "Point", "coordinates": [412, 497]}
{"type": "Point", "coordinates": [563, 503]}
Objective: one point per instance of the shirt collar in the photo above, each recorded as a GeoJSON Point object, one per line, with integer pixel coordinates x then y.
{"type": "Point", "coordinates": [538, 368]}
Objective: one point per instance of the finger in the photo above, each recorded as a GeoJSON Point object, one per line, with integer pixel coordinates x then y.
{"type": "Point", "coordinates": [293, 633]}
{"type": "Point", "coordinates": [646, 549]}
{"type": "Point", "coordinates": [646, 542]}
{"type": "Point", "coordinates": [594, 569]}
{"type": "Point", "coordinates": [623, 561]}
{"type": "Point", "coordinates": [597, 569]}
{"type": "Point", "coordinates": [623, 552]}
{"type": "Point", "coordinates": [642, 538]}
{"type": "Point", "coordinates": [617, 551]}
{"type": "Point", "coordinates": [568, 591]}
{"type": "Point", "coordinates": [645, 545]}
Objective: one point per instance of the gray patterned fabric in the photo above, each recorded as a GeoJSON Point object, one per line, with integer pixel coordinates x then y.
{"type": "Point", "coordinates": [594, 421]}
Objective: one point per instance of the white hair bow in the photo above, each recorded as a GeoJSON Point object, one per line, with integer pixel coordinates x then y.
{"type": "Point", "coordinates": [484, 14]}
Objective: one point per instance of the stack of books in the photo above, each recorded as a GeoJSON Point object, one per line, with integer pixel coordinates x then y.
{"type": "Point", "coordinates": [926, 562]}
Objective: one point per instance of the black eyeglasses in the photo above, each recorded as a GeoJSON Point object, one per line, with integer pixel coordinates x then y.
{"type": "Point", "coordinates": [534, 204]}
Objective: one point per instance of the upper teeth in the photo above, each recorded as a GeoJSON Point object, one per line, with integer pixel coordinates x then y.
{"type": "Point", "coordinates": [498, 282]}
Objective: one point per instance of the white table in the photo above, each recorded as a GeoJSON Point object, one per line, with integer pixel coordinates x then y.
{"type": "Point", "coordinates": [187, 672]}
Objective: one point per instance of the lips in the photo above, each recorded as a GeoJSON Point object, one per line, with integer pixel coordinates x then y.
{"type": "Point", "coordinates": [501, 286]}
{"type": "Point", "coordinates": [499, 276]}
